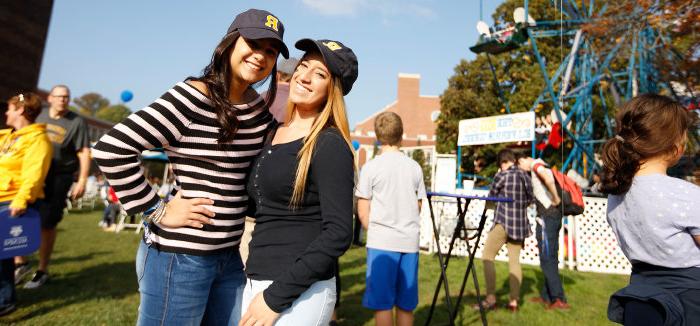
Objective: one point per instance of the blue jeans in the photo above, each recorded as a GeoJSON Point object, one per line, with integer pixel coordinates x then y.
{"type": "Point", "coordinates": [7, 282]}
{"type": "Point", "coordinates": [314, 307]}
{"type": "Point", "coordinates": [548, 245]}
{"type": "Point", "coordinates": [7, 275]}
{"type": "Point", "coordinates": [181, 289]}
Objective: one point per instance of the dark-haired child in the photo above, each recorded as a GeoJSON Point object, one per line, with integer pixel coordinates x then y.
{"type": "Point", "coordinates": [655, 218]}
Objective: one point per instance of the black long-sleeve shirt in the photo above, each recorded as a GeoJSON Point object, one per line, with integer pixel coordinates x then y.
{"type": "Point", "coordinates": [297, 247]}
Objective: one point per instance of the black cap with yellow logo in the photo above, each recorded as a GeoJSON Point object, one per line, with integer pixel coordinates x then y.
{"type": "Point", "coordinates": [256, 24]}
{"type": "Point", "coordinates": [340, 59]}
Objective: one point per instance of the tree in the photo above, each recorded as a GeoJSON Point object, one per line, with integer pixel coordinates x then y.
{"type": "Point", "coordinates": [90, 103]}
{"type": "Point", "coordinates": [678, 19]}
{"type": "Point", "coordinates": [419, 156]}
{"type": "Point", "coordinates": [472, 93]}
{"type": "Point", "coordinates": [115, 113]}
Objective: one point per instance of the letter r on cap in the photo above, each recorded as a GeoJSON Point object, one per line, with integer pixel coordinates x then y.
{"type": "Point", "coordinates": [272, 22]}
{"type": "Point", "coordinates": [332, 46]}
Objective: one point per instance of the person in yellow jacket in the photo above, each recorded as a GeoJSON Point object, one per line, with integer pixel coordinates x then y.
{"type": "Point", "coordinates": [25, 157]}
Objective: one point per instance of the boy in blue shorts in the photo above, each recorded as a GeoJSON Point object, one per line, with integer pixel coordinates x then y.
{"type": "Point", "coordinates": [389, 191]}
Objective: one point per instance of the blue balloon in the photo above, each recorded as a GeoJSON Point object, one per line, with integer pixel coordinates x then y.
{"type": "Point", "coordinates": [355, 144]}
{"type": "Point", "coordinates": [127, 95]}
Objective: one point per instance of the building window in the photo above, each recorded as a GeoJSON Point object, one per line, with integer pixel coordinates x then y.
{"type": "Point", "coordinates": [434, 116]}
{"type": "Point", "coordinates": [422, 137]}
{"type": "Point", "coordinates": [371, 134]}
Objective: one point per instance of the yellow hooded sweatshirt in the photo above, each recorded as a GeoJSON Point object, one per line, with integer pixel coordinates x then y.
{"type": "Point", "coordinates": [25, 157]}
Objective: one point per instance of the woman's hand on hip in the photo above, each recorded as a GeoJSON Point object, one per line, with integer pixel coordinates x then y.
{"type": "Point", "coordinates": [258, 313]}
{"type": "Point", "coordinates": [187, 212]}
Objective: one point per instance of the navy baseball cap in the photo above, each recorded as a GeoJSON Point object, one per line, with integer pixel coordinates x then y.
{"type": "Point", "coordinates": [255, 24]}
{"type": "Point", "coordinates": [340, 59]}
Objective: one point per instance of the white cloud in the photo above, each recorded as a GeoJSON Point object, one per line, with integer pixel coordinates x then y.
{"type": "Point", "coordinates": [335, 7]}
{"type": "Point", "coordinates": [387, 8]}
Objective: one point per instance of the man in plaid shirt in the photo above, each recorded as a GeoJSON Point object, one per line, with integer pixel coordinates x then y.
{"type": "Point", "coordinates": [510, 226]}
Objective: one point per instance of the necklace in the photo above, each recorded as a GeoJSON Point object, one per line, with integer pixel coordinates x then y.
{"type": "Point", "coordinates": [7, 145]}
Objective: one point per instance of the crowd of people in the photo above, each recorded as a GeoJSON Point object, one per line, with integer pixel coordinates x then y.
{"type": "Point", "coordinates": [284, 157]}
{"type": "Point", "coordinates": [654, 217]}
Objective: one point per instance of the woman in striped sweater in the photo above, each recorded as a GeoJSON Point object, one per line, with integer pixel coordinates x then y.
{"type": "Point", "coordinates": [211, 127]}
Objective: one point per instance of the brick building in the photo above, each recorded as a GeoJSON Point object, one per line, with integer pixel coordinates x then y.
{"type": "Point", "coordinates": [418, 113]}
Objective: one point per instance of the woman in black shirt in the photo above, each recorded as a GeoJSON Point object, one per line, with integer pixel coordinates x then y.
{"type": "Point", "coordinates": [302, 184]}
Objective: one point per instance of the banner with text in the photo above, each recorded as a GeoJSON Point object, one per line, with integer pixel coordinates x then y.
{"type": "Point", "coordinates": [497, 129]}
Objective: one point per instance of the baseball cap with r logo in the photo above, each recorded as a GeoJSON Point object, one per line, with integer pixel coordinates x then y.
{"type": "Point", "coordinates": [254, 24]}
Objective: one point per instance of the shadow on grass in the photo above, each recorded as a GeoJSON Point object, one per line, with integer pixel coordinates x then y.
{"type": "Point", "coordinates": [465, 316]}
{"type": "Point", "coordinates": [528, 286]}
{"type": "Point", "coordinates": [535, 286]}
{"type": "Point", "coordinates": [105, 281]}
{"type": "Point", "coordinates": [351, 311]}
{"type": "Point", "coordinates": [72, 259]}
{"type": "Point", "coordinates": [352, 270]}
{"type": "Point", "coordinates": [357, 262]}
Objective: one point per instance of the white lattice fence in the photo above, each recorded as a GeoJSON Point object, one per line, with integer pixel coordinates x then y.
{"type": "Point", "coordinates": [596, 246]}
{"type": "Point", "coordinates": [445, 210]}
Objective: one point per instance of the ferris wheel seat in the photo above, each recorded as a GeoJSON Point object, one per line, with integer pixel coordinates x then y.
{"type": "Point", "coordinates": [504, 41]}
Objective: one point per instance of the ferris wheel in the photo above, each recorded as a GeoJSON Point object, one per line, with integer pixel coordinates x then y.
{"type": "Point", "coordinates": [590, 77]}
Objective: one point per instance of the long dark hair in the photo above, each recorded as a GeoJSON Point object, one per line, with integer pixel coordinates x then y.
{"type": "Point", "coordinates": [648, 126]}
{"type": "Point", "coordinates": [217, 77]}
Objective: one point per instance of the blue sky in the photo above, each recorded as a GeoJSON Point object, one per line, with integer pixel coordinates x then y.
{"type": "Point", "coordinates": [148, 46]}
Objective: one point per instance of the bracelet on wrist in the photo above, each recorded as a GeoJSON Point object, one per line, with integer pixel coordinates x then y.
{"type": "Point", "coordinates": [156, 212]}
{"type": "Point", "coordinates": [160, 215]}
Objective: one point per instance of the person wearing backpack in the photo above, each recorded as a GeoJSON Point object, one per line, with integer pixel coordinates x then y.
{"type": "Point", "coordinates": [510, 227]}
{"type": "Point", "coordinates": [549, 214]}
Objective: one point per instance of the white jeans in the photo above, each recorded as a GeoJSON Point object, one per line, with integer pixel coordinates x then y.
{"type": "Point", "coordinates": [313, 307]}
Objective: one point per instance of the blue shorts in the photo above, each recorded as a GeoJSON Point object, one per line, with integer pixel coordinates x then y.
{"type": "Point", "coordinates": [392, 280]}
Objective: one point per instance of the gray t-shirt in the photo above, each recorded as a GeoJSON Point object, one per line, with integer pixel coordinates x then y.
{"type": "Point", "coordinates": [655, 220]}
{"type": "Point", "coordinates": [393, 183]}
{"type": "Point", "coordinates": [68, 135]}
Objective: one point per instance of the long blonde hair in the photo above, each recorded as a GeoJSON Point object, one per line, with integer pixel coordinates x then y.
{"type": "Point", "coordinates": [333, 114]}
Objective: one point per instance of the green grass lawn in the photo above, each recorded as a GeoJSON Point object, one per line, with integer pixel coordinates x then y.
{"type": "Point", "coordinates": [93, 283]}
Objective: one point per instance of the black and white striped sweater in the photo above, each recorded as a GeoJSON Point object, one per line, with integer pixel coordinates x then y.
{"type": "Point", "coordinates": [183, 123]}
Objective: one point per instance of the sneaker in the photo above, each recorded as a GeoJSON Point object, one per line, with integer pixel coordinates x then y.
{"type": "Point", "coordinates": [8, 309]}
{"type": "Point", "coordinates": [558, 304]}
{"type": "Point", "coordinates": [21, 271]}
{"type": "Point", "coordinates": [38, 280]}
